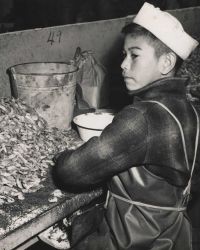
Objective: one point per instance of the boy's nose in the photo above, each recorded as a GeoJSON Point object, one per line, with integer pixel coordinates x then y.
{"type": "Point", "coordinates": [124, 64]}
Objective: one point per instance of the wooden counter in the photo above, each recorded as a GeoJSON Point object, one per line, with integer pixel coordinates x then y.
{"type": "Point", "coordinates": [21, 223]}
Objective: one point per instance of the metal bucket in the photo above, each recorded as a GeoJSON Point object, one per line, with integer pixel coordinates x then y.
{"type": "Point", "coordinates": [47, 87]}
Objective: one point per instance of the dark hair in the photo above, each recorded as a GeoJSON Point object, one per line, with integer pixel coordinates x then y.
{"type": "Point", "coordinates": [136, 30]}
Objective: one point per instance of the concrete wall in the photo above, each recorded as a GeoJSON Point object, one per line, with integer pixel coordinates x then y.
{"type": "Point", "coordinates": [59, 43]}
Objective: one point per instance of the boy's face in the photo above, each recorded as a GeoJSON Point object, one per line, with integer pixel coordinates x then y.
{"type": "Point", "coordinates": [140, 65]}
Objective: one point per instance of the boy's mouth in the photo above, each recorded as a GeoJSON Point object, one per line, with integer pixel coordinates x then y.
{"type": "Point", "coordinates": [125, 76]}
{"type": "Point", "coordinates": [128, 78]}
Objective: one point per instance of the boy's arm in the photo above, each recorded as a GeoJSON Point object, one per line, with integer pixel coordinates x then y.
{"type": "Point", "coordinates": [121, 145]}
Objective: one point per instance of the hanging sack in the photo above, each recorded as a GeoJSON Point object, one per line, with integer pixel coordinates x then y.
{"type": "Point", "coordinates": [92, 81]}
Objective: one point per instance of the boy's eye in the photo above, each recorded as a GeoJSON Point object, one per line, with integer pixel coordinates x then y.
{"type": "Point", "coordinates": [133, 56]}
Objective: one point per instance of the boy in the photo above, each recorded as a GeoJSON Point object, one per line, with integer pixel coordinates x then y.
{"type": "Point", "coordinates": [148, 154]}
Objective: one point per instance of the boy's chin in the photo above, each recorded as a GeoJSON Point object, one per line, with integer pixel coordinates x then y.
{"type": "Point", "coordinates": [132, 87]}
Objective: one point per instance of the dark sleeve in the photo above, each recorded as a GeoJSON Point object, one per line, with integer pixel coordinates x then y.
{"type": "Point", "coordinates": [121, 145]}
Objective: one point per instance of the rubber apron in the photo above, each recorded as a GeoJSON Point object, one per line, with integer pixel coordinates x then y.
{"type": "Point", "coordinates": [186, 191]}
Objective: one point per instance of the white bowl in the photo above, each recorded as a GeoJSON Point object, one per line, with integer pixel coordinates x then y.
{"type": "Point", "coordinates": [92, 124]}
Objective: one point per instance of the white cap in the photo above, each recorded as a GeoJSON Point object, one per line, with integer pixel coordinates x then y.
{"type": "Point", "coordinates": [166, 28]}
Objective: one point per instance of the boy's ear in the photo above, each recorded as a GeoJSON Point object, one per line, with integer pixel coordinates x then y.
{"type": "Point", "coordinates": [167, 63]}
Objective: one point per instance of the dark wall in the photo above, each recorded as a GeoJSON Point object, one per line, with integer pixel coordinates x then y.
{"type": "Point", "coordinates": [27, 14]}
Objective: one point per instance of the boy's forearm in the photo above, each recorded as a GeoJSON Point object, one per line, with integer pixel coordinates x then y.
{"type": "Point", "coordinates": [82, 168]}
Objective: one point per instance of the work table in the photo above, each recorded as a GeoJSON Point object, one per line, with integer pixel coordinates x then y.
{"type": "Point", "coordinates": [21, 222]}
